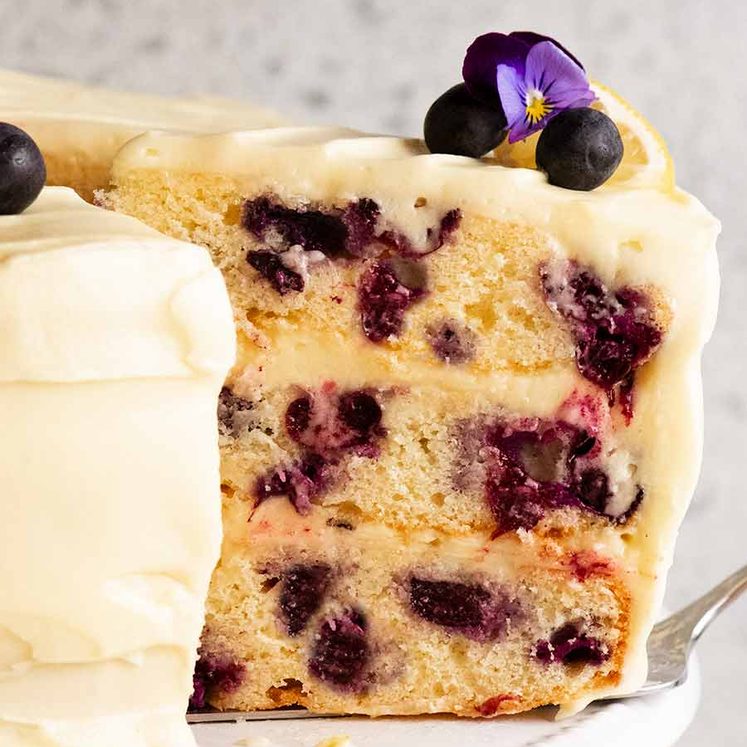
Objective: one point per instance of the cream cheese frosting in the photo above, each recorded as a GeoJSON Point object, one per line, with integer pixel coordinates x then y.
{"type": "Point", "coordinates": [79, 127]}
{"type": "Point", "coordinates": [630, 236]}
{"type": "Point", "coordinates": [116, 342]}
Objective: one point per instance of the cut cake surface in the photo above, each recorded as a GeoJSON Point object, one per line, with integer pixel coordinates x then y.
{"type": "Point", "coordinates": [463, 428]}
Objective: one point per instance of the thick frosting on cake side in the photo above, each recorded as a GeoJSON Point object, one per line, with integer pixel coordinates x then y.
{"type": "Point", "coordinates": [116, 339]}
{"type": "Point", "coordinates": [79, 128]}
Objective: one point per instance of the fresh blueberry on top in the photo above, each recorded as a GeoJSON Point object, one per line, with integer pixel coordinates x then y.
{"type": "Point", "coordinates": [459, 124]}
{"type": "Point", "coordinates": [22, 170]}
{"type": "Point", "coordinates": [579, 149]}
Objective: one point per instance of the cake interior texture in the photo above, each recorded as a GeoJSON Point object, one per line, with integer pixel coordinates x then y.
{"type": "Point", "coordinates": [463, 426]}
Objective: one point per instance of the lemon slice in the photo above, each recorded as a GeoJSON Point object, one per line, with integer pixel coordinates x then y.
{"type": "Point", "coordinates": [646, 161]}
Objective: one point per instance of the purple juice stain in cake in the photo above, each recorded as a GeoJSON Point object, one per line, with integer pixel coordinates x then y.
{"type": "Point", "coordinates": [533, 467]}
{"type": "Point", "coordinates": [360, 219]}
{"type": "Point", "coordinates": [447, 227]}
{"type": "Point", "coordinates": [270, 266]}
{"type": "Point", "coordinates": [311, 229]}
{"type": "Point", "coordinates": [301, 481]}
{"type": "Point", "coordinates": [529, 470]}
{"type": "Point", "coordinates": [328, 425]}
{"type": "Point", "coordinates": [498, 704]}
{"type": "Point", "coordinates": [615, 331]}
{"type": "Point", "coordinates": [569, 645]}
{"type": "Point", "coordinates": [301, 594]}
{"type": "Point", "coordinates": [469, 609]}
{"type": "Point", "coordinates": [214, 674]}
{"type": "Point", "coordinates": [436, 237]}
{"type": "Point", "coordinates": [383, 300]}
{"type": "Point", "coordinates": [341, 653]}
{"type": "Point", "coordinates": [348, 231]}
{"type": "Point", "coordinates": [355, 231]}
{"type": "Point", "coordinates": [451, 340]}
{"type": "Point", "coordinates": [332, 423]}
{"type": "Point", "coordinates": [232, 412]}
{"type": "Point", "coordinates": [298, 417]}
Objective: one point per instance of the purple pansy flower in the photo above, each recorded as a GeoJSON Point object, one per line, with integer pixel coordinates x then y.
{"type": "Point", "coordinates": [532, 76]}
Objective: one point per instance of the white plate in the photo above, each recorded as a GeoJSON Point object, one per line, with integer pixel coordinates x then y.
{"type": "Point", "coordinates": [654, 721]}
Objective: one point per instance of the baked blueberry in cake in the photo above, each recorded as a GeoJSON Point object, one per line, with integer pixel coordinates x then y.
{"type": "Point", "coordinates": [465, 419]}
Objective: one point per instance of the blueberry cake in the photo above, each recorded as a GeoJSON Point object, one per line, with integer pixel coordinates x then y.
{"type": "Point", "coordinates": [465, 419]}
{"type": "Point", "coordinates": [79, 128]}
{"type": "Point", "coordinates": [114, 339]}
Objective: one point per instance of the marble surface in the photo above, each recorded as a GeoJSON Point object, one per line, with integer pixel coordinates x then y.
{"type": "Point", "coordinates": [377, 64]}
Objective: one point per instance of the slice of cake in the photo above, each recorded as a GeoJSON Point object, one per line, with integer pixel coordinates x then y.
{"type": "Point", "coordinates": [79, 128]}
{"type": "Point", "coordinates": [115, 340]}
{"type": "Point", "coordinates": [465, 420]}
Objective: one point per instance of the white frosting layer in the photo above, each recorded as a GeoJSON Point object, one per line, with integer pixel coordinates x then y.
{"type": "Point", "coordinates": [86, 124]}
{"type": "Point", "coordinates": [636, 236]}
{"type": "Point", "coordinates": [116, 342]}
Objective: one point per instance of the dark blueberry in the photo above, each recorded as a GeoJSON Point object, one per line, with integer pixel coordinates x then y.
{"type": "Point", "coordinates": [360, 219]}
{"type": "Point", "coordinates": [447, 227]}
{"type": "Point", "coordinates": [383, 301]}
{"type": "Point", "coordinates": [459, 124]}
{"type": "Point", "coordinates": [527, 472]}
{"type": "Point", "coordinates": [270, 266]}
{"type": "Point", "coordinates": [632, 508]}
{"type": "Point", "coordinates": [469, 609]}
{"type": "Point", "coordinates": [300, 482]}
{"type": "Point", "coordinates": [569, 645]}
{"type": "Point", "coordinates": [229, 404]}
{"type": "Point", "coordinates": [298, 417]}
{"type": "Point", "coordinates": [592, 488]}
{"type": "Point", "coordinates": [214, 674]}
{"type": "Point", "coordinates": [614, 331]}
{"type": "Point", "coordinates": [582, 445]}
{"type": "Point", "coordinates": [341, 653]}
{"type": "Point", "coordinates": [520, 503]}
{"type": "Point", "coordinates": [359, 411]}
{"type": "Point", "coordinates": [22, 170]}
{"type": "Point", "coordinates": [311, 229]}
{"type": "Point", "coordinates": [350, 231]}
{"type": "Point", "coordinates": [579, 149]}
{"type": "Point", "coordinates": [451, 341]}
{"type": "Point", "coordinates": [350, 422]}
{"type": "Point", "coordinates": [302, 593]}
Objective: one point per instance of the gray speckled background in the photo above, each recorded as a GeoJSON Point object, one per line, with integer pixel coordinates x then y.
{"type": "Point", "coordinates": [377, 64]}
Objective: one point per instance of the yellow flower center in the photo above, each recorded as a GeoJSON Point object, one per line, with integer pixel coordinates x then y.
{"type": "Point", "coordinates": [537, 106]}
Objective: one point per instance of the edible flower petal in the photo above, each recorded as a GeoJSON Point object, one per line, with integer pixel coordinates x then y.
{"type": "Point", "coordinates": [530, 75]}
{"type": "Point", "coordinates": [550, 83]}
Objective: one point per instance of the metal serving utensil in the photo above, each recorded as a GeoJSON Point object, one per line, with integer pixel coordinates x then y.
{"type": "Point", "coordinates": [669, 647]}
{"type": "Point", "coordinates": [672, 640]}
